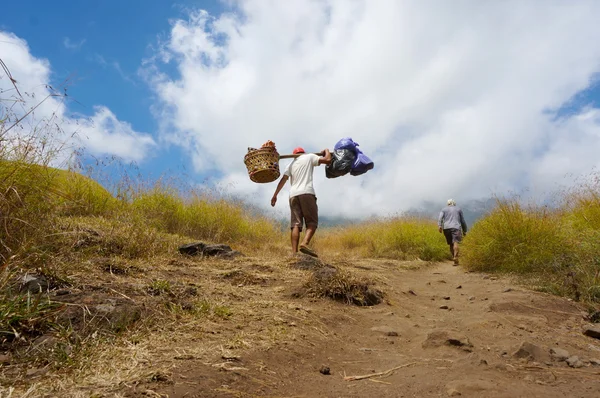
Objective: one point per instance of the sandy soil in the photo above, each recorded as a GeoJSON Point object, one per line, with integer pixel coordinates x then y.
{"type": "Point", "coordinates": [440, 332]}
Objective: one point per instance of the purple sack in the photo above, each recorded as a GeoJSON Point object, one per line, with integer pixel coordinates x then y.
{"type": "Point", "coordinates": [362, 164]}
{"type": "Point", "coordinates": [346, 143]}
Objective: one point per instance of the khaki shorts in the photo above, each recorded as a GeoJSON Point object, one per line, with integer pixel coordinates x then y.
{"type": "Point", "coordinates": [304, 207]}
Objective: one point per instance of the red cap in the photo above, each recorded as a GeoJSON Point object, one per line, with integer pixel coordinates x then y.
{"type": "Point", "coordinates": [298, 150]}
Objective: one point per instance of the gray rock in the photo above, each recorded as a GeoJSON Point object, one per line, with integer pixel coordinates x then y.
{"type": "Point", "coordinates": [388, 331]}
{"type": "Point", "coordinates": [531, 352]}
{"type": "Point", "coordinates": [574, 362]}
{"type": "Point", "coordinates": [192, 249]}
{"type": "Point", "coordinates": [34, 284]}
{"type": "Point", "coordinates": [559, 354]}
{"type": "Point", "coordinates": [592, 331]}
{"type": "Point", "coordinates": [595, 362]}
{"type": "Point", "coordinates": [216, 250]}
{"type": "Point", "coordinates": [201, 248]}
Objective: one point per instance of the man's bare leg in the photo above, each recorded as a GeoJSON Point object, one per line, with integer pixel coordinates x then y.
{"type": "Point", "coordinates": [310, 231]}
{"type": "Point", "coordinates": [295, 236]}
{"type": "Point", "coordinates": [451, 250]}
{"type": "Point", "coordinates": [455, 244]}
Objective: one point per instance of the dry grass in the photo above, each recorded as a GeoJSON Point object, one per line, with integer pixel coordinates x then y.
{"type": "Point", "coordinates": [342, 285]}
{"type": "Point", "coordinates": [403, 238]}
{"type": "Point", "coordinates": [200, 313]}
{"type": "Point", "coordinates": [554, 249]}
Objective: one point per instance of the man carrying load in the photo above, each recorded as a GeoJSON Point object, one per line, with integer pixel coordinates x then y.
{"type": "Point", "coordinates": [303, 200]}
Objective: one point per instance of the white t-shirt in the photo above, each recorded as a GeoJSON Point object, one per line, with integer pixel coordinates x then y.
{"type": "Point", "coordinates": [300, 172]}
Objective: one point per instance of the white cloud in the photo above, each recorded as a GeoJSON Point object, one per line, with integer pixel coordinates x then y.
{"type": "Point", "coordinates": [100, 134]}
{"type": "Point", "coordinates": [450, 99]}
{"type": "Point", "coordinates": [73, 45]}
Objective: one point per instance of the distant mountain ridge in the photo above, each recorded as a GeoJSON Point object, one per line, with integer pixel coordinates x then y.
{"type": "Point", "coordinates": [473, 210]}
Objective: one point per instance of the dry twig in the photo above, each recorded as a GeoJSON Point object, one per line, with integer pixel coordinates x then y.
{"type": "Point", "coordinates": [378, 374]}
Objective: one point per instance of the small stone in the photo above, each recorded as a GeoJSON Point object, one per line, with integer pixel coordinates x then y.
{"type": "Point", "coordinates": [592, 331]}
{"type": "Point", "coordinates": [471, 298]}
{"type": "Point", "coordinates": [559, 354]}
{"type": "Point", "coordinates": [34, 283]}
{"type": "Point", "coordinates": [446, 297]}
{"type": "Point", "coordinates": [412, 292]}
{"type": "Point", "coordinates": [574, 362]}
{"type": "Point", "coordinates": [325, 370]}
{"type": "Point", "coordinates": [407, 316]}
{"type": "Point", "coordinates": [486, 277]}
{"type": "Point", "coordinates": [453, 392]}
{"type": "Point", "coordinates": [493, 278]}
{"type": "Point", "coordinates": [483, 362]}
{"type": "Point", "coordinates": [459, 287]}
{"type": "Point", "coordinates": [507, 290]}
{"type": "Point", "coordinates": [386, 330]}
{"type": "Point", "coordinates": [531, 352]}
{"type": "Point", "coordinates": [444, 307]}
{"type": "Point", "coordinates": [595, 362]}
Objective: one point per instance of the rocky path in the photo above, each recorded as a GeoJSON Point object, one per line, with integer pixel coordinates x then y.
{"type": "Point", "coordinates": [442, 332]}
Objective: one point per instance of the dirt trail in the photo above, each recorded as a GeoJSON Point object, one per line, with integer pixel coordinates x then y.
{"type": "Point", "coordinates": [456, 334]}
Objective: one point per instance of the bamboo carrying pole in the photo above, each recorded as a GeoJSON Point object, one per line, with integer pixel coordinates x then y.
{"type": "Point", "coordinates": [298, 154]}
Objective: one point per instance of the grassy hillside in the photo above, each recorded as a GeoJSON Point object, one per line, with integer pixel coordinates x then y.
{"type": "Point", "coordinates": [406, 238]}
{"type": "Point", "coordinates": [555, 249]}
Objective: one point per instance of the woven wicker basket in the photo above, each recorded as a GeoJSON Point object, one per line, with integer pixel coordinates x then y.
{"type": "Point", "coordinates": [262, 164]}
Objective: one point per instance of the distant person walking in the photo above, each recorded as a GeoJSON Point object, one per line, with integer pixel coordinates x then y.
{"type": "Point", "coordinates": [452, 223]}
{"type": "Point", "coordinates": [303, 200]}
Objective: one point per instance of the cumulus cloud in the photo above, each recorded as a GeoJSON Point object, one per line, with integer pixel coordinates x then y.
{"type": "Point", "coordinates": [100, 134]}
{"type": "Point", "coordinates": [450, 99]}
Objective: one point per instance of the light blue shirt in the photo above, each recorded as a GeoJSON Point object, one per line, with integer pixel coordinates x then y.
{"type": "Point", "coordinates": [452, 217]}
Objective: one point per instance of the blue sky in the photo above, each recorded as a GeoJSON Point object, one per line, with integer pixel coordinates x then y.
{"type": "Point", "coordinates": [99, 46]}
{"type": "Point", "coordinates": [504, 95]}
